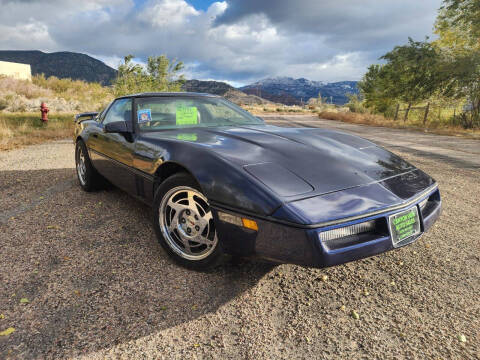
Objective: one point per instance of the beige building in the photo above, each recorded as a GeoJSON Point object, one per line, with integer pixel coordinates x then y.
{"type": "Point", "coordinates": [16, 70]}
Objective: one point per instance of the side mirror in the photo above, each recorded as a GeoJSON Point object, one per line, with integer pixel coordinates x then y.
{"type": "Point", "coordinates": [116, 127]}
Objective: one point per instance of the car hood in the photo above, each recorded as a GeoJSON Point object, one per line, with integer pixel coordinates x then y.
{"type": "Point", "coordinates": [300, 162]}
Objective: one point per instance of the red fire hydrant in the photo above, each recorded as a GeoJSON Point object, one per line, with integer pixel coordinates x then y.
{"type": "Point", "coordinates": [44, 110]}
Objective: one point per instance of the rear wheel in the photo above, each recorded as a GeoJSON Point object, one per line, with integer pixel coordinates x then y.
{"type": "Point", "coordinates": [184, 224]}
{"type": "Point", "coordinates": [88, 177]}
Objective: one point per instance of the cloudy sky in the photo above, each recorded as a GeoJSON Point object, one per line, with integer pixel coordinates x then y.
{"type": "Point", "coordinates": [239, 41]}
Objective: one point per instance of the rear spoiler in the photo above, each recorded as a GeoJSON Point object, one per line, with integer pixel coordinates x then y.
{"type": "Point", "coordinates": [86, 115]}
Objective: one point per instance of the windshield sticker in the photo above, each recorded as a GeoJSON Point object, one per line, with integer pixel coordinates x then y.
{"type": "Point", "coordinates": [186, 115]}
{"type": "Point", "coordinates": [144, 116]}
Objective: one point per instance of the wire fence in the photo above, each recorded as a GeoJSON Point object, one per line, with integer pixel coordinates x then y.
{"type": "Point", "coordinates": [455, 114]}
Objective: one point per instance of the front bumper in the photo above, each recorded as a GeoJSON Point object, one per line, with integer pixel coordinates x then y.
{"type": "Point", "coordinates": [289, 244]}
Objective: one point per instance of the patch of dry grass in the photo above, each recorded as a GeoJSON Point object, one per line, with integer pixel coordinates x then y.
{"type": "Point", "coordinates": [21, 129]}
{"type": "Point", "coordinates": [61, 95]}
{"type": "Point", "coordinates": [94, 95]}
{"type": "Point", "coordinates": [279, 109]}
{"type": "Point", "coordinates": [26, 88]}
{"type": "Point", "coordinates": [356, 118]}
{"type": "Point", "coordinates": [5, 131]}
{"type": "Point", "coordinates": [437, 127]}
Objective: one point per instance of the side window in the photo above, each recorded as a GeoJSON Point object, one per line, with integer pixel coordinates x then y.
{"type": "Point", "coordinates": [121, 110]}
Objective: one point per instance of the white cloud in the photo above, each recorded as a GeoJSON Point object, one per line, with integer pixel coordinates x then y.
{"type": "Point", "coordinates": [168, 13]}
{"type": "Point", "coordinates": [348, 66]}
{"type": "Point", "coordinates": [27, 35]}
{"type": "Point", "coordinates": [237, 40]}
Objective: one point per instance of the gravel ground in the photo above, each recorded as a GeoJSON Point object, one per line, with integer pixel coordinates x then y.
{"type": "Point", "coordinates": [99, 286]}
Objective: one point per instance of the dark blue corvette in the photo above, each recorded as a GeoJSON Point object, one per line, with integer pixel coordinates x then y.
{"type": "Point", "coordinates": [222, 182]}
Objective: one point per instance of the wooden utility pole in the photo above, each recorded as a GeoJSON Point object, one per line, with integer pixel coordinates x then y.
{"type": "Point", "coordinates": [426, 114]}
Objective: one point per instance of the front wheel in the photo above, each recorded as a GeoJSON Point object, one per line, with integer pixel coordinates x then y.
{"type": "Point", "coordinates": [184, 224]}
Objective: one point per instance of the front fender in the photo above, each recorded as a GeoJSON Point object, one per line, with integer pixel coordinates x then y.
{"type": "Point", "coordinates": [224, 183]}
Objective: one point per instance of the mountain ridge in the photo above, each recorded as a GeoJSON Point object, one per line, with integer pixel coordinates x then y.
{"type": "Point", "coordinates": [223, 89]}
{"type": "Point", "coordinates": [280, 89]}
{"type": "Point", "coordinates": [301, 89]}
{"type": "Point", "coordinates": [62, 64]}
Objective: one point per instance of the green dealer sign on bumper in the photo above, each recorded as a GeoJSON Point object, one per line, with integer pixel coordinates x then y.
{"type": "Point", "coordinates": [404, 226]}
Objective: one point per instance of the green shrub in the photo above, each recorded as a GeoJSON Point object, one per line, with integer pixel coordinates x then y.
{"type": "Point", "coordinates": [160, 74]}
{"type": "Point", "coordinates": [355, 104]}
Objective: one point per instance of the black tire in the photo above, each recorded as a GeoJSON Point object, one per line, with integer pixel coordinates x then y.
{"type": "Point", "coordinates": [90, 179]}
{"type": "Point", "coordinates": [210, 253]}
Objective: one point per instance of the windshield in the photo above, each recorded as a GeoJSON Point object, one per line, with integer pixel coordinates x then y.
{"type": "Point", "coordinates": [157, 113]}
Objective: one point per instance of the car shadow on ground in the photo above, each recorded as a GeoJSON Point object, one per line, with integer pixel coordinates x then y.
{"type": "Point", "coordinates": [93, 272]}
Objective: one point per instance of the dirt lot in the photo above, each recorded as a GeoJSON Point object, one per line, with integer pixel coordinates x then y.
{"type": "Point", "coordinates": [99, 286]}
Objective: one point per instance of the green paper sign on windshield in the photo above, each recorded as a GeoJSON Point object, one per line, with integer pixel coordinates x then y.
{"type": "Point", "coordinates": [186, 115]}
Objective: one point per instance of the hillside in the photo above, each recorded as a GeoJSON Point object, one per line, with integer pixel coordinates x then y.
{"type": "Point", "coordinates": [284, 90]}
{"type": "Point", "coordinates": [281, 98]}
{"type": "Point", "coordinates": [290, 91]}
{"type": "Point", "coordinates": [223, 89]}
{"type": "Point", "coordinates": [62, 65]}
{"type": "Point", "coordinates": [210, 87]}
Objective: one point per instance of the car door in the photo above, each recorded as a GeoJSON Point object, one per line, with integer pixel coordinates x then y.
{"type": "Point", "coordinates": [92, 139]}
{"type": "Point", "coordinates": [113, 152]}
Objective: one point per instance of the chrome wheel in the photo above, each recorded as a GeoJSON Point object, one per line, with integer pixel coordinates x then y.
{"type": "Point", "coordinates": [81, 166]}
{"type": "Point", "coordinates": [186, 223]}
